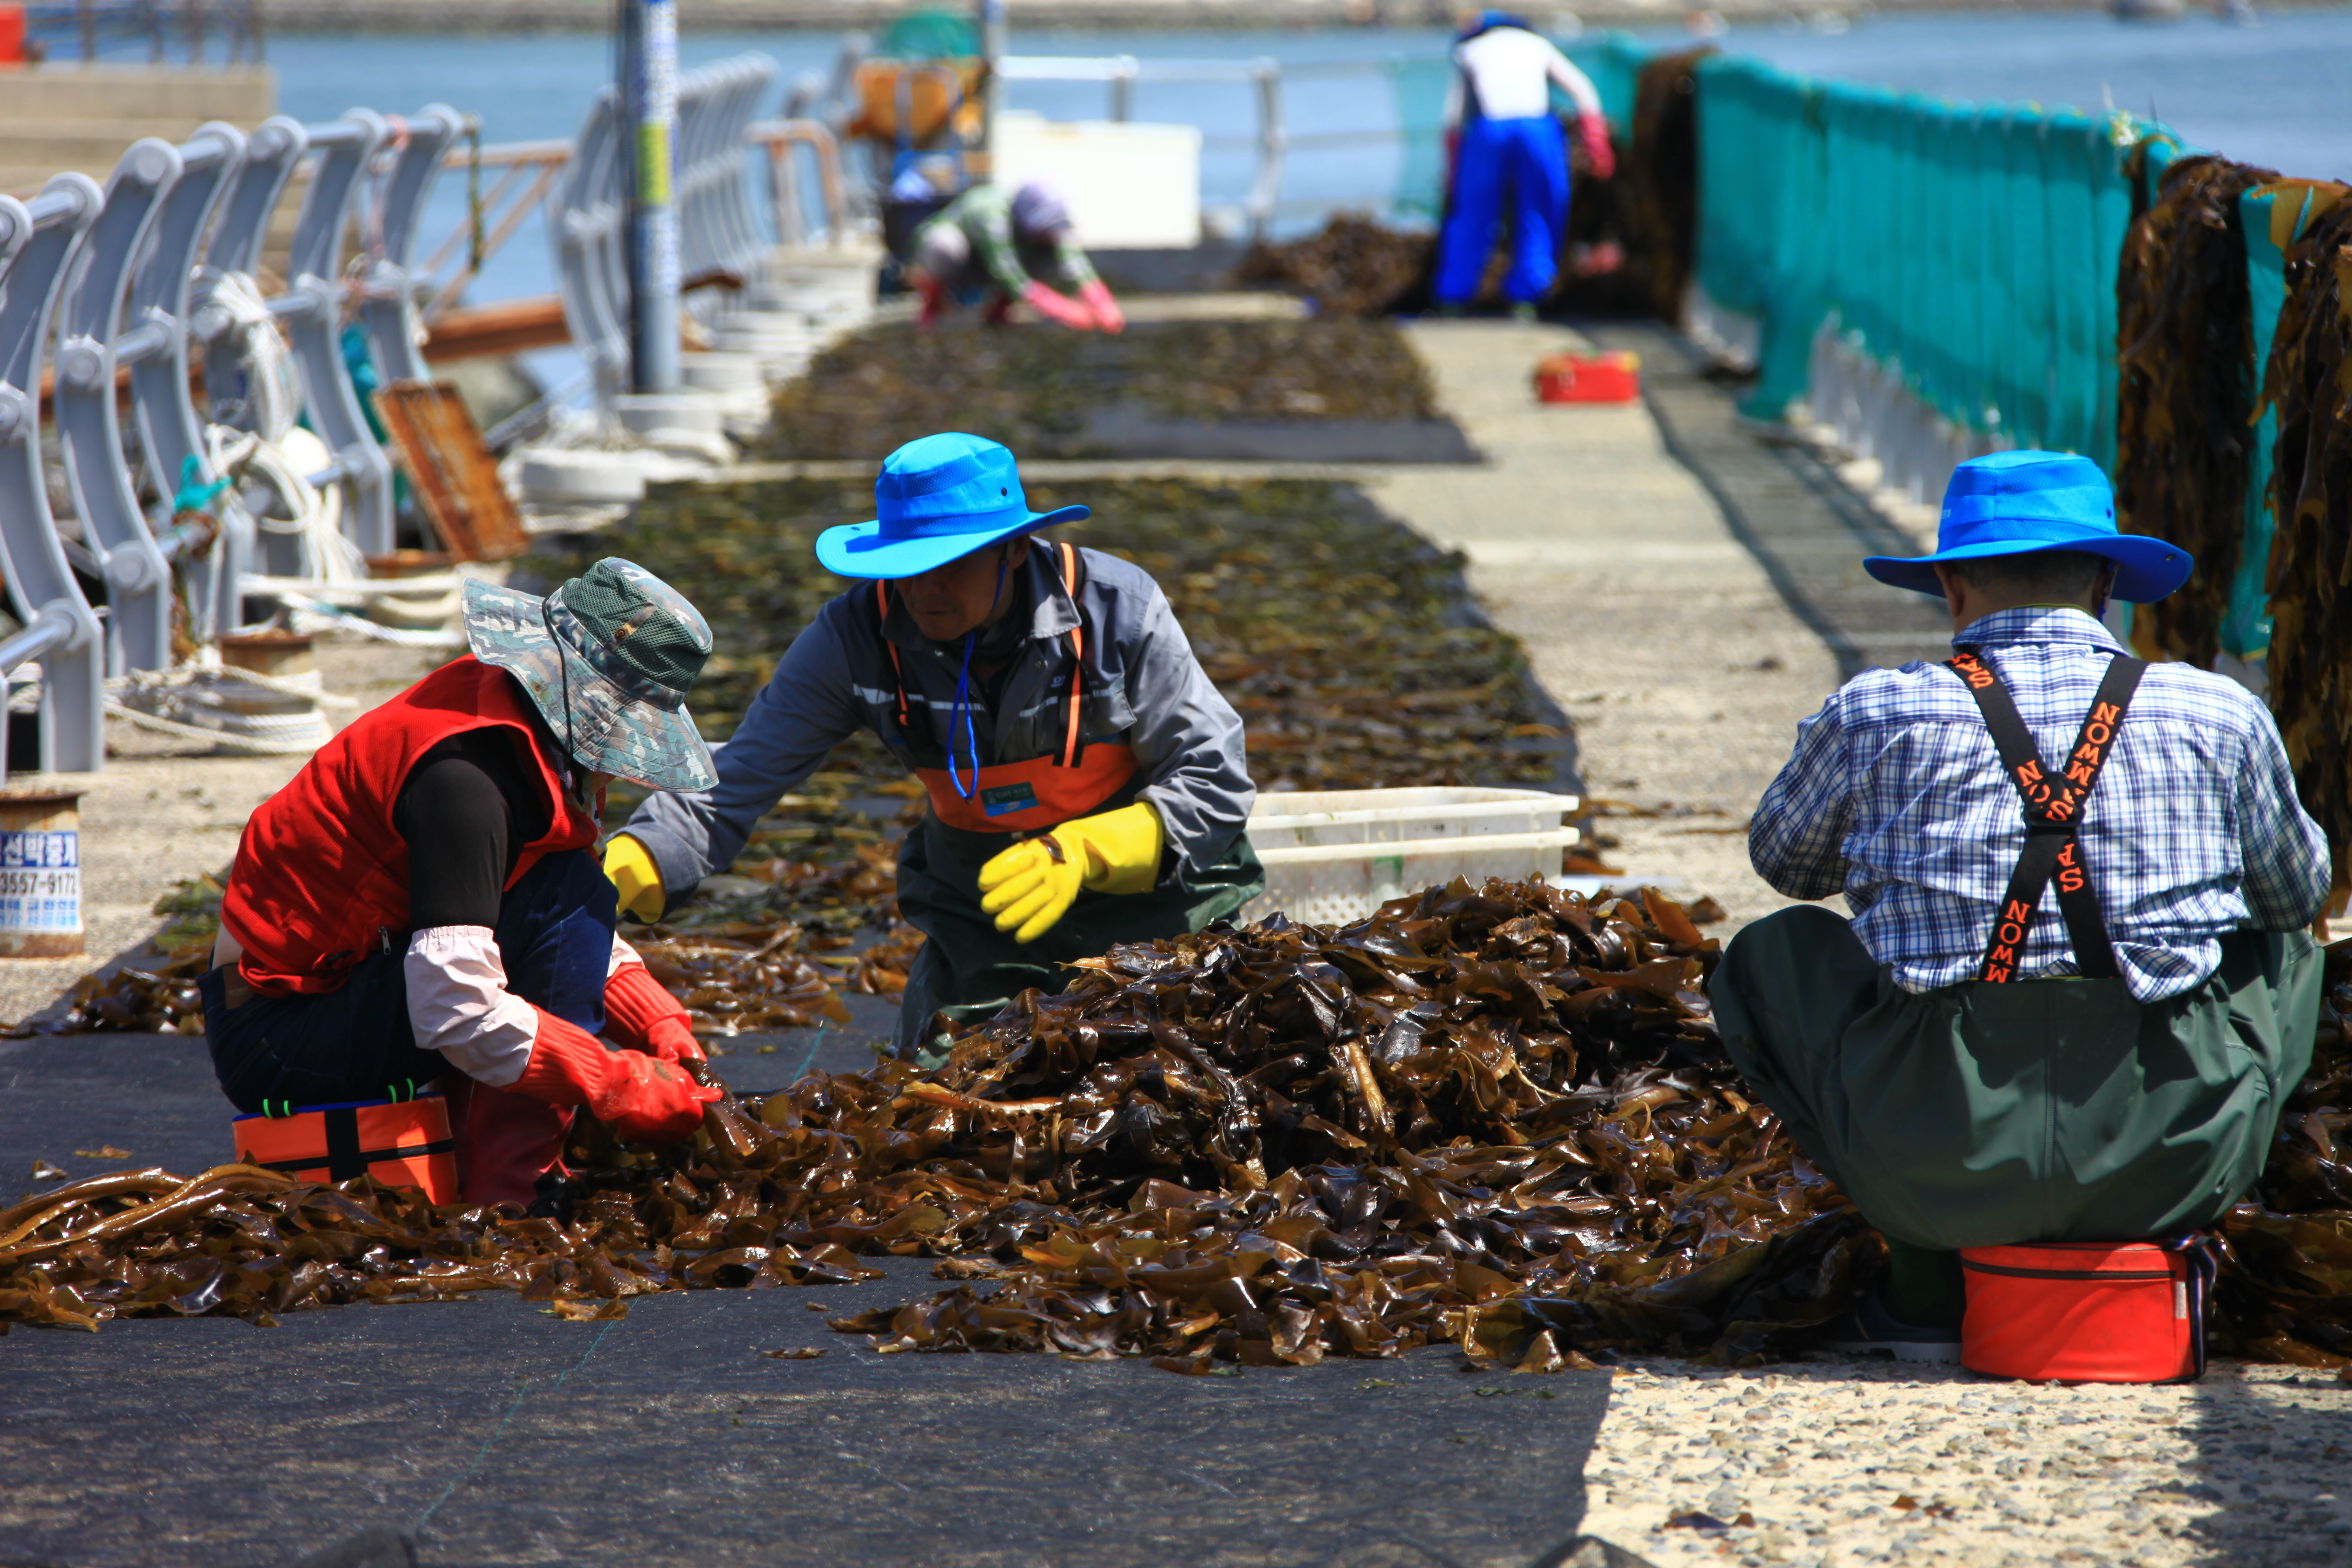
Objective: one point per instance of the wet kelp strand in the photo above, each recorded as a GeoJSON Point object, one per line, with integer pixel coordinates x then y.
{"type": "Point", "coordinates": [2185, 392]}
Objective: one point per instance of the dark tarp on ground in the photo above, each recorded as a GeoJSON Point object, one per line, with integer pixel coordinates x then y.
{"type": "Point", "coordinates": [670, 1438]}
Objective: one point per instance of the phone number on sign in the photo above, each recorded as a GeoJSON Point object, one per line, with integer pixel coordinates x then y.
{"type": "Point", "coordinates": [39, 884]}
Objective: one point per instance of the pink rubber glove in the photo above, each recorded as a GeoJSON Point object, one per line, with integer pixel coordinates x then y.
{"type": "Point", "coordinates": [1594, 129]}
{"type": "Point", "coordinates": [1106, 309]}
{"type": "Point", "coordinates": [934, 296]}
{"type": "Point", "coordinates": [1055, 307]}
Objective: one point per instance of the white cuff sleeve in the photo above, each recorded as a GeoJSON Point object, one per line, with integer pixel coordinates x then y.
{"type": "Point", "coordinates": [623, 956]}
{"type": "Point", "coordinates": [458, 1003]}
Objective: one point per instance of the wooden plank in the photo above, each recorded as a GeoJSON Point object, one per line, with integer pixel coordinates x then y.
{"type": "Point", "coordinates": [496, 330]}
{"type": "Point", "coordinates": [455, 478]}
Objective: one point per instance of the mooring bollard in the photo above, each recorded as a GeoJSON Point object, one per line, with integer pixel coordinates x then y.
{"type": "Point", "coordinates": [40, 874]}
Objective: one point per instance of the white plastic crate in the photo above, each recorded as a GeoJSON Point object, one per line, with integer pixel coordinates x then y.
{"type": "Point", "coordinates": [1338, 855]}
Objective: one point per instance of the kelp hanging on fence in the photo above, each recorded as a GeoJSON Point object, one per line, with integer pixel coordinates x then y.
{"type": "Point", "coordinates": [2309, 379]}
{"type": "Point", "coordinates": [2185, 394]}
{"type": "Point", "coordinates": [1658, 188]}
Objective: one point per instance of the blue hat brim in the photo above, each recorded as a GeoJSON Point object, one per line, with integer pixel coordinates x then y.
{"type": "Point", "coordinates": [2146, 568]}
{"type": "Point", "coordinates": [858, 549]}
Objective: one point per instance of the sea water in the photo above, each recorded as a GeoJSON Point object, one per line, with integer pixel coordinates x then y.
{"type": "Point", "coordinates": [2273, 93]}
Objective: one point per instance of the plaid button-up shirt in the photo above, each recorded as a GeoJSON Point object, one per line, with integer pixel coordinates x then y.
{"type": "Point", "coordinates": [1897, 797]}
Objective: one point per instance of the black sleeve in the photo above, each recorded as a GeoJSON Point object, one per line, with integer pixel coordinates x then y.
{"type": "Point", "coordinates": [459, 826]}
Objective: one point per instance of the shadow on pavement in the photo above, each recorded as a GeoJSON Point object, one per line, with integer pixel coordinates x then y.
{"type": "Point", "coordinates": [490, 1432]}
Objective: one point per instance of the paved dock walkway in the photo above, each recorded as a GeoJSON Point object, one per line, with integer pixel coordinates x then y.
{"type": "Point", "coordinates": [1662, 636]}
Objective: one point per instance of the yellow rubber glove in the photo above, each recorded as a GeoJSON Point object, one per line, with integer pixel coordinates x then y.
{"type": "Point", "coordinates": [1032, 885]}
{"type": "Point", "coordinates": [631, 867]}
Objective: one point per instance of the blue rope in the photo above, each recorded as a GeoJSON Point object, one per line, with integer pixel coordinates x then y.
{"type": "Point", "coordinates": [962, 709]}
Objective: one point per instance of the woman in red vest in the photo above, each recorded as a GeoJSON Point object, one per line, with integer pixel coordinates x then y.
{"type": "Point", "coordinates": [421, 904]}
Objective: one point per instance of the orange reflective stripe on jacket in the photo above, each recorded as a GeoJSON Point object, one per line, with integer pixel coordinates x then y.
{"type": "Point", "coordinates": [1044, 792]}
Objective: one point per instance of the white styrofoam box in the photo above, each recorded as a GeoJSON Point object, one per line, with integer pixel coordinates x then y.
{"type": "Point", "coordinates": [1130, 186]}
{"type": "Point", "coordinates": [1338, 855]}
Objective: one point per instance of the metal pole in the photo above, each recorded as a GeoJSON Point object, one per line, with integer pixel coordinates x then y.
{"type": "Point", "coordinates": [649, 107]}
{"type": "Point", "coordinates": [991, 49]}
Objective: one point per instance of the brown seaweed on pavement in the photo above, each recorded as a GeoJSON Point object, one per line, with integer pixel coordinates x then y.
{"type": "Point", "coordinates": [1036, 390]}
{"type": "Point", "coordinates": [1266, 1145]}
{"type": "Point", "coordinates": [2185, 392]}
{"type": "Point", "coordinates": [2286, 1285]}
{"type": "Point", "coordinates": [1494, 1117]}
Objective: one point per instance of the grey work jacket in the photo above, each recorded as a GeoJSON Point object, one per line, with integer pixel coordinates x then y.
{"type": "Point", "coordinates": [1143, 688]}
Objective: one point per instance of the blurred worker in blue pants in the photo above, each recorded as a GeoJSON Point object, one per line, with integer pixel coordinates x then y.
{"type": "Point", "coordinates": [1509, 140]}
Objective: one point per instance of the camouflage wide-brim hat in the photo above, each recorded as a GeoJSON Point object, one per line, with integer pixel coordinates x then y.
{"type": "Point", "coordinates": [608, 660]}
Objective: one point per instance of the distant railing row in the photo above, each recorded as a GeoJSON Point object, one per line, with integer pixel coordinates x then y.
{"type": "Point", "coordinates": [158, 29]}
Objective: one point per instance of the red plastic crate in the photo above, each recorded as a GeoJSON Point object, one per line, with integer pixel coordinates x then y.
{"type": "Point", "coordinates": [1589, 378]}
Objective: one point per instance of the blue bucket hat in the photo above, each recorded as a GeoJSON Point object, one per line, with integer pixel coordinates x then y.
{"type": "Point", "coordinates": [941, 498]}
{"type": "Point", "coordinates": [2021, 503]}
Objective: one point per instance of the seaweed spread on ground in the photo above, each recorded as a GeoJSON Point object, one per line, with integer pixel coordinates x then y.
{"type": "Point", "coordinates": [2309, 380]}
{"type": "Point", "coordinates": [2184, 436]}
{"type": "Point", "coordinates": [1494, 1116]}
{"type": "Point", "coordinates": [1348, 645]}
{"type": "Point", "coordinates": [1497, 1117]}
{"type": "Point", "coordinates": [1039, 390]}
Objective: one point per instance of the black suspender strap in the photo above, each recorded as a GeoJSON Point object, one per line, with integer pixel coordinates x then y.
{"type": "Point", "coordinates": [2053, 811]}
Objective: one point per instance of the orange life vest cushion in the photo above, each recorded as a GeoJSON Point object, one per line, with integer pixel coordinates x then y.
{"type": "Point", "coordinates": [402, 1143]}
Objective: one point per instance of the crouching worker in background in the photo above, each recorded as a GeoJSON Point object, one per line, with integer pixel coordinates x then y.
{"type": "Point", "coordinates": [422, 903]}
{"type": "Point", "coordinates": [2075, 992]}
{"type": "Point", "coordinates": [993, 247]}
{"type": "Point", "coordinates": [1087, 781]}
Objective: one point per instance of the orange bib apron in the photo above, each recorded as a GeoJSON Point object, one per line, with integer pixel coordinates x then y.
{"type": "Point", "coordinates": [1044, 792]}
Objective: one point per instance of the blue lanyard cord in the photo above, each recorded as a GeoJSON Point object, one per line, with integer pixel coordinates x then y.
{"type": "Point", "coordinates": [962, 709]}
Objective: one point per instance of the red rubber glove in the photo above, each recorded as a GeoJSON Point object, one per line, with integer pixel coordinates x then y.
{"type": "Point", "coordinates": [1594, 129]}
{"type": "Point", "coordinates": [1056, 307]}
{"type": "Point", "coordinates": [643, 1100]}
{"type": "Point", "coordinates": [935, 301]}
{"type": "Point", "coordinates": [1106, 309]}
{"type": "Point", "coordinates": [644, 1016]}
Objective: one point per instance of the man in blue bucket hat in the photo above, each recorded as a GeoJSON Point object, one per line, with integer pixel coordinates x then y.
{"type": "Point", "coordinates": [1087, 782]}
{"type": "Point", "coordinates": [2076, 990]}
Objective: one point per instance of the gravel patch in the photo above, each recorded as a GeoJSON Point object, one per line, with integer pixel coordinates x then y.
{"type": "Point", "coordinates": [1837, 1461]}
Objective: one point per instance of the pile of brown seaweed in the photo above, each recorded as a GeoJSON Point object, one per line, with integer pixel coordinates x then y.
{"type": "Point", "coordinates": [1354, 266]}
{"type": "Point", "coordinates": [2286, 1286]}
{"type": "Point", "coordinates": [2184, 437]}
{"type": "Point", "coordinates": [1038, 391]}
{"type": "Point", "coordinates": [1265, 1146]}
{"type": "Point", "coordinates": [1496, 1117]}
{"type": "Point", "coordinates": [2308, 380]}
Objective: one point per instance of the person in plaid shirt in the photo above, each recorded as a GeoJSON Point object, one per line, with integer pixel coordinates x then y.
{"type": "Point", "coordinates": [2077, 990]}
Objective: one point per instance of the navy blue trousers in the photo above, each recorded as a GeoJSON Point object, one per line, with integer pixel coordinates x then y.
{"type": "Point", "coordinates": [554, 934]}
